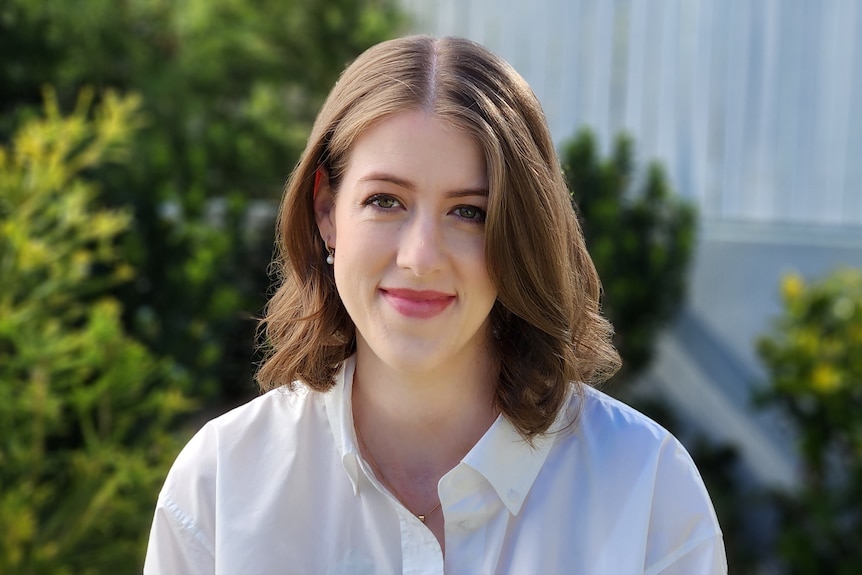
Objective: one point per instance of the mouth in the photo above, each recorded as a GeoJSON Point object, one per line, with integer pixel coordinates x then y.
{"type": "Point", "coordinates": [418, 304]}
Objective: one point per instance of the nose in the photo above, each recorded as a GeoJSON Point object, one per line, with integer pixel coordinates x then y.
{"type": "Point", "coordinates": [421, 246]}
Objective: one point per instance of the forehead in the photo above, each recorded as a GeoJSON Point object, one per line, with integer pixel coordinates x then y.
{"type": "Point", "coordinates": [418, 144]}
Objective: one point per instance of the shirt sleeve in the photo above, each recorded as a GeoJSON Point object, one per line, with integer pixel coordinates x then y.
{"type": "Point", "coordinates": [684, 535]}
{"type": "Point", "coordinates": [706, 558]}
{"type": "Point", "coordinates": [176, 545]}
{"type": "Point", "coordinates": [183, 531]}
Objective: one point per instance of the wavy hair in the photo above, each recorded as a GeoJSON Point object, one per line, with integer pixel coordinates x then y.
{"type": "Point", "coordinates": [547, 328]}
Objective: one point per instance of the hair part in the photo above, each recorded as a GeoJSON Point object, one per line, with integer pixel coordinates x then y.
{"type": "Point", "coordinates": [547, 329]}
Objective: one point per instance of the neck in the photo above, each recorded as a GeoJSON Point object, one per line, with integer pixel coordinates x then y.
{"type": "Point", "coordinates": [420, 425]}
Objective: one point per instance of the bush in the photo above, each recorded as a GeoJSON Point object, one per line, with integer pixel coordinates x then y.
{"type": "Point", "coordinates": [814, 360]}
{"type": "Point", "coordinates": [84, 408]}
{"type": "Point", "coordinates": [229, 90]}
{"type": "Point", "coordinates": [640, 236]}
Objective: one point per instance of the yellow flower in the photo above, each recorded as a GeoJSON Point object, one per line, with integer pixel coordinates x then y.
{"type": "Point", "coordinates": [825, 378]}
{"type": "Point", "coordinates": [792, 287]}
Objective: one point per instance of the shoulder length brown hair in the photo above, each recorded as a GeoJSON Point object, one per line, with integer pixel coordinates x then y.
{"type": "Point", "coordinates": [546, 325]}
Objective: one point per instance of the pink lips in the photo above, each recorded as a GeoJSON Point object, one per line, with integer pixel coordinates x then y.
{"type": "Point", "coordinates": [420, 304]}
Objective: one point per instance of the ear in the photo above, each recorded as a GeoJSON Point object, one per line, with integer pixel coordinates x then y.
{"type": "Point", "coordinates": [324, 207]}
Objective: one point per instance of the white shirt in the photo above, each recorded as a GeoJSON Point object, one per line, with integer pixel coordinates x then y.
{"type": "Point", "coordinates": [278, 486]}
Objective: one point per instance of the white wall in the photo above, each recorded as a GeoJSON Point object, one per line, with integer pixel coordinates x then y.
{"type": "Point", "coordinates": [753, 106]}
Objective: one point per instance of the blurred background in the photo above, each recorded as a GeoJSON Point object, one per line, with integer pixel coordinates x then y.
{"type": "Point", "coordinates": [714, 151]}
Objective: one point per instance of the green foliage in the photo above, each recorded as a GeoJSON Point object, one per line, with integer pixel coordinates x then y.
{"type": "Point", "coordinates": [814, 360]}
{"type": "Point", "coordinates": [84, 408]}
{"type": "Point", "coordinates": [229, 91]}
{"type": "Point", "coordinates": [641, 238]}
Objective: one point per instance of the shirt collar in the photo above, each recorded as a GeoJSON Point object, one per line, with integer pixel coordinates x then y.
{"type": "Point", "coordinates": [510, 464]}
{"type": "Point", "coordinates": [501, 456]}
{"type": "Point", "coordinates": [339, 410]}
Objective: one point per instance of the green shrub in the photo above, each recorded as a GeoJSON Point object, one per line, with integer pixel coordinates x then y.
{"type": "Point", "coordinates": [814, 360]}
{"type": "Point", "coordinates": [640, 236]}
{"type": "Point", "coordinates": [229, 89]}
{"type": "Point", "coordinates": [84, 408]}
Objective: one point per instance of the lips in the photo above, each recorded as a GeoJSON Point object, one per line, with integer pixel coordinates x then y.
{"type": "Point", "coordinates": [418, 304]}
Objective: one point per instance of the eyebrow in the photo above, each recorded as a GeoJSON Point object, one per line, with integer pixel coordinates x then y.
{"type": "Point", "coordinates": [407, 184]}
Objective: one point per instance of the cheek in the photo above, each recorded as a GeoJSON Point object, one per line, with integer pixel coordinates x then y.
{"type": "Point", "coordinates": [472, 257]}
{"type": "Point", "coordinates": [361, 250]}
{"type": "Point", "coordinates": [473, 248]}
{"type": "Point", "coordinates": [364, 239]}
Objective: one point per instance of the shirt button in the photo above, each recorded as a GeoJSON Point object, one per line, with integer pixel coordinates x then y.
{"type": "Point", "coordinates": [466, 525]}
{"type": "Point", "coordinates": [513, 495]}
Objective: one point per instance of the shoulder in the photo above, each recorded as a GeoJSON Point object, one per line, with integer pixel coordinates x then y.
{"type": "Point", "coordinates": [248, 429]}
{"type": "Point", "coordinates": [600, 422]}
{"type": "Point", "coordinates": [260, 411]}
{"type": "Point", "coordinates": [221, 464]}
{"type": "Point", "coordinates": [602, 409]}
{"type": "Point", "coordinates": [618, 438]}
{"type": "Point", "coordinates": [633, 459]}
{"type": "Point", "coordinates": [243, 441]}
{"type": "Point", "coordinates": [605, 442]}
{"type": "Point", "coordinates": [613, 431]}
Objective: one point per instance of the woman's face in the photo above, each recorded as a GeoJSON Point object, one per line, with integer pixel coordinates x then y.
{"type": "Point", "coordinates": [407, 226]}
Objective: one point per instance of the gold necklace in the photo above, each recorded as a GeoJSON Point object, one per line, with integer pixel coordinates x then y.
{"type": "Point", "coordinates": [379, 473]}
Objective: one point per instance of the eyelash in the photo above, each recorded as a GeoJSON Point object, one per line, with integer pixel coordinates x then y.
{"type": "Point", "coordinates": [377, 198]}
{"type": "Point", "coordinates": [478, 216]}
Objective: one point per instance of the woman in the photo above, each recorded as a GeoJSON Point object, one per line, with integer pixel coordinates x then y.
{"type": "Point", "coordinates": [431, 345]}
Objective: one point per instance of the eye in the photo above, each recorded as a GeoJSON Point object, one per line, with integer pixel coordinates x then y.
{"type": "Point", "coordinates": [382, 201]}
{"type": "Point", "coordinates": [470, 213]}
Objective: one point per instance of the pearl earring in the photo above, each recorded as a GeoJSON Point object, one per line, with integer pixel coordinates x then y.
{"type": "Point", "coordinates": [330, 258]}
